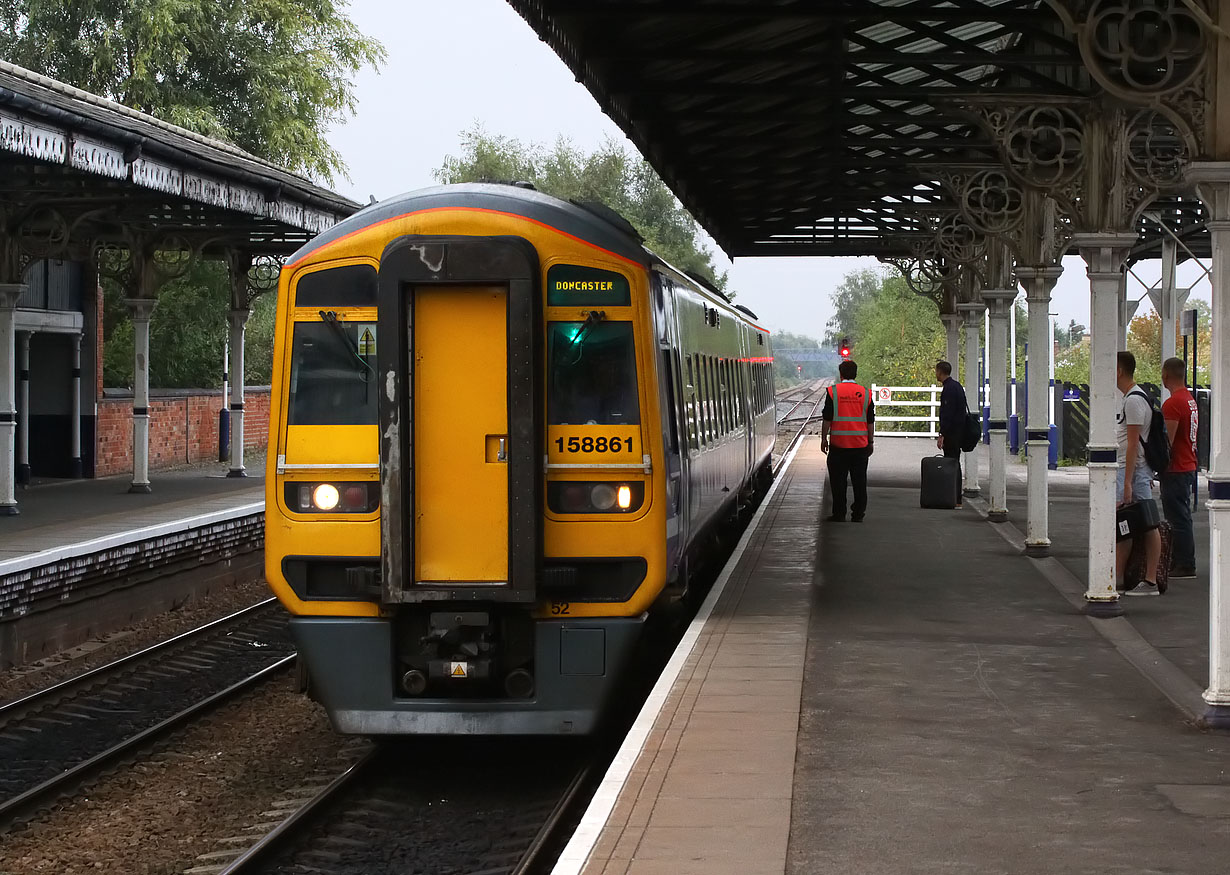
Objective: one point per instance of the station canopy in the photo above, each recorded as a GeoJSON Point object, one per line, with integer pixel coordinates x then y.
{"type": "Point", "coordinates": [75, 165]}
{"type": "Point", "coordinates": [800, 127]}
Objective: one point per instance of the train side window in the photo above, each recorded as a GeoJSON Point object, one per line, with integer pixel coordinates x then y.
{"type": "Point", "coordinates": [724, 366]}
{"type": "Point", "coordinates": [715, 429]}
{"type": "Point", "coordinates": [689, 402]}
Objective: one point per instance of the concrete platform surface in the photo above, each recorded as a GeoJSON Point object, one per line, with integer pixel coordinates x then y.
{"type": "Point", "coordinates": [948, 709]}
{"type": "Point", "coordinates": [62, 512]}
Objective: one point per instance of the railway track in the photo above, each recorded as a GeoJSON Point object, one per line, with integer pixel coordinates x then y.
{"type": "Point", "coordinates": [448, 806]}
{"type": "Point", "coordinates": [53, 740]}
{"type": "Point", "coordinates": [804, 412]}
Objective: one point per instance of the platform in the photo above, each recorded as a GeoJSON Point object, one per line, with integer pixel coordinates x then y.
{"type": "Point", "coordinates": [86, 556]}
{"type": "Point", "coordinates": [62, 512]}
{"type": "Point", "coordinates": [911, 694]}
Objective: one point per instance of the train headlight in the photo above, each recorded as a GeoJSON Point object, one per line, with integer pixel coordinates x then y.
{"type": "Point", "coordinates": [580, 496]}
{"type": "Point", "coordinates": [332, 497]}
{"type": "Point", "coordinates": [325, 496]}
{"type": "Point", "coordinates": [602, 497]}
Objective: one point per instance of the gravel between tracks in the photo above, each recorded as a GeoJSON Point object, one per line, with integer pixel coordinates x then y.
{"type": "Point", "coordinates": [214, 779]}
{"type": "Point", "coordinates": [24, 679]}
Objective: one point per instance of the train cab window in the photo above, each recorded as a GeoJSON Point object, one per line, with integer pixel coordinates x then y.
{"type": "Point", "coordinates": [333, 374]}
{"type": "Point", "coordinates": [591, 374]}
{"type": "Point", "coordinates": [352, 285]}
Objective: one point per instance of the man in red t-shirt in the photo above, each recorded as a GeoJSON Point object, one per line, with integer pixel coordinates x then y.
{"type": "Point", "coordinates": [1179, 480]}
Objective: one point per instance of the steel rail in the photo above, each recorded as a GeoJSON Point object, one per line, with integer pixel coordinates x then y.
{"type": "Point", "coordinates": [273, 840]}
{"type": "Point", "coordinates": [798, 435]}
{"type": "Point", "coordinates": [543, 840]}
{"type": "Point", "coordinates": [62, 781]}
{"type": "Point", "coordinates": [38, 698]}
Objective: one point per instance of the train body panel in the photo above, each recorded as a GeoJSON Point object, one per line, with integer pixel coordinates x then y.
{"type": "Point", "coordinates": [503, 426]}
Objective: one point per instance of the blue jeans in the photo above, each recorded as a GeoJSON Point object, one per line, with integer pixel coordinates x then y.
{"type": "Point", "coordinates": [1177, 508]}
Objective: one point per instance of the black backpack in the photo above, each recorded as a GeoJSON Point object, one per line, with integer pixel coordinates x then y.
{"type": "Point", "coordinates": [1157, 446]}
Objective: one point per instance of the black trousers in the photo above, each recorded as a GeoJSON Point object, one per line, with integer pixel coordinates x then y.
{"type": "Point", "coordinates": [848, 463]}
{"type": "Point", "coordinates": [952, 449]}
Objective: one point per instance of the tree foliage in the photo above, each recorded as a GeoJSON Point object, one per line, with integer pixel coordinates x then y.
{"type": "Point", "coordinates": [270, 76]}
{"type": "Point", "coordinates": [898, 337]}
{"type": "Point", "coordinates": [188, 333]}
{"type": "Point", "coordinates": [856, 289]}
{"type": "Point", "coordinates": [610, 174]}
{"type": "Point", "coordinates": [1144, 340]}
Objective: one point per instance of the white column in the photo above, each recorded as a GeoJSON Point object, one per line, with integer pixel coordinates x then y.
{"type": "Point", "coordinates": [238, 319]}
{"type": "Point", "coordinates": [1105, 256]}
{"type": "Point", "coordinates": [973, 317]}
{"type": "Point", "coordinates": [1168, 301]}
{"type": "Point", "coordinates": [23, 408]}
{"type": "Point", "coordinates": [1012, 416]}
{"type": "Point", "coordinates": [140, 310]}
{"type": "Point", "coordinates": [1038, 283]}
{"type": "Point", "coordinates": [999, 304]}
{"type": "Point", "coordinates": [1213, 184]}
{"type": "Point", "coordinates": [952, 332]}
{"type": "Point", "coordinates": [75, 412]}
{"type": "Point", "coordinates": [9, 295]}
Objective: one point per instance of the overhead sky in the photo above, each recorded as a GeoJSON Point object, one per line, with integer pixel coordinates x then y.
{"type": "Point", "coordinates": [456, 63]}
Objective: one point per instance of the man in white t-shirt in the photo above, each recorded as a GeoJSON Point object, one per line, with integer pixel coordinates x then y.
{"type": "Point", "coordinates": [1135, 479]}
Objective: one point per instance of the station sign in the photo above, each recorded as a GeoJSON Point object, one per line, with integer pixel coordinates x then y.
{"type": "Point", "coordinates": [884, 394]}
{"type": "Point", "coordinates": [1073, 394]}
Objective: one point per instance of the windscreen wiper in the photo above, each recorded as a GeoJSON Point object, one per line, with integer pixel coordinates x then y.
{"type": "Point", "coordinates": [329, 317]}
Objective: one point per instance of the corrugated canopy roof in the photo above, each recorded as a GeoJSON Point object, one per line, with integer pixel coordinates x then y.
{"type": "Point", "coordinates": [805, 127]}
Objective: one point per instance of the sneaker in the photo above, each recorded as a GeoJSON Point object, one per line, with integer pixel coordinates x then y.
{"type": "Point", "coordinates": [1183, 573]}
{"type": "Point", "coordinates": [1143, 588]}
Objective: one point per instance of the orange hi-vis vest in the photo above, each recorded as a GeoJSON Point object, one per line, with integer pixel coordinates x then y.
{"type": "Point", "coordinates": [849, 425]}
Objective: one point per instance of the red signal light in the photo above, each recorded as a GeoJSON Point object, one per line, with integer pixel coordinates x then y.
{"type": "Point", "coordinates": [845, 352]}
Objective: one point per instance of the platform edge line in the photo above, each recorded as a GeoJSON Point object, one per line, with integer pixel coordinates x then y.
{"type": "Point", "coordinates": [19, 564]}
{"type": "Point", "coordinates": [577, 852]}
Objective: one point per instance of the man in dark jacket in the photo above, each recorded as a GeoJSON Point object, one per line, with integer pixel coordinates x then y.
{"type": "Point", "coordinates": [952, 416]}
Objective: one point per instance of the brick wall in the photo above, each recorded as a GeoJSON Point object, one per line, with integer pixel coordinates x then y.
{"type": "Point", "coordinates": [183, 427]}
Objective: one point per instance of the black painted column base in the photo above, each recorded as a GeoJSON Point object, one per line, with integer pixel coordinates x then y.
{"type": "Point", "coordinates": [21, 474]}
{"type": "Point", "coordinates": [1037, 551]}
{"type": "Point", "coordinates": [1104, 610]}
{"type": "Point", "coordinates": [997, 516]}
{"type": "Point", "coordinates": [1216, 717]}
{"type": "Point", "coordinates": [237, 472]}
{"type": "Point", "coordinates": [75, 469]}
{"type": "Point", "coordinates": [145, 489]}
{"type": "Point", "coordinates": [9, 510]}
{"type": "Point", "coordinates": [971, 493]}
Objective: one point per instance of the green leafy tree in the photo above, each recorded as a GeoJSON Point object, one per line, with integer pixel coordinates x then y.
{"type": "Point", "coordinates": [270, 76]}
{"type": "Point", "coordinates": [856, 289]}
{"type": "Point", "coordinates": [610, 175]}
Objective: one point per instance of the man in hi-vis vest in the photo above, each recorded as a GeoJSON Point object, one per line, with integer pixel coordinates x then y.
{"type": "Point", "coordinates": [848, 437]}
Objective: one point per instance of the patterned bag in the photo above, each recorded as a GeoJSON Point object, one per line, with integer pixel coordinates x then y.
{"type": "Point", "coordinates": [1134, 573]}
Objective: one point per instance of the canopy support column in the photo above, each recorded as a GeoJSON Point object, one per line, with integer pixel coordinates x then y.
{"type": "Point", "coordinates": [238, 319]}
{"type": "Point", "coordinates": [140, 309]}
{"type": "Point", "coordinates": [973, 318]}
{"type": "Point", "coordinates": [22, 471]}
{"type": "Point", "coordinates": [1213, 184]}
{"type": "Point", "coordinates": [10, 293]}
{"type": "Point", "coordinates": [1038, 283]}
{"type": "Point", "coordinates": [952, 332]}
{"type": "Point", "coordinates": [998, 302]}
{"type": "Point", "coordinates": [75, 469]}
{"type": "Point", "coordinates": [1105, 256]}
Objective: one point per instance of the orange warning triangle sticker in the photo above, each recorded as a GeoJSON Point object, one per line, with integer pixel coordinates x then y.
{"type": "Point", "coordinates": [459, 669]}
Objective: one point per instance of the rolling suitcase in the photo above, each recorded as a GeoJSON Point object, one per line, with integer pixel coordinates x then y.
{"type": "Point", "coordinates": [1134, 573]}
{"type": "Point", "coordinates": [941, 482]}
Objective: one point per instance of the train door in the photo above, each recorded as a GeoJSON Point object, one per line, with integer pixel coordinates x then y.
{"type": "Point", "coordinates": [674, 424]}
{"type": "Point", "coordinates": [460, 420]}
{"type": "Point", "coordinates": [460, 435]}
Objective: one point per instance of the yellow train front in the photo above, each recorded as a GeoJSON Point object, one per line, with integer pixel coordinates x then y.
{"type": "Point", "coordinates": [503, 430]}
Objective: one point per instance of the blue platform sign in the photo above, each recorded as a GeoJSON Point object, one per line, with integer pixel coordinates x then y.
{"type": "Point", "coordinates": [1072, 394]}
